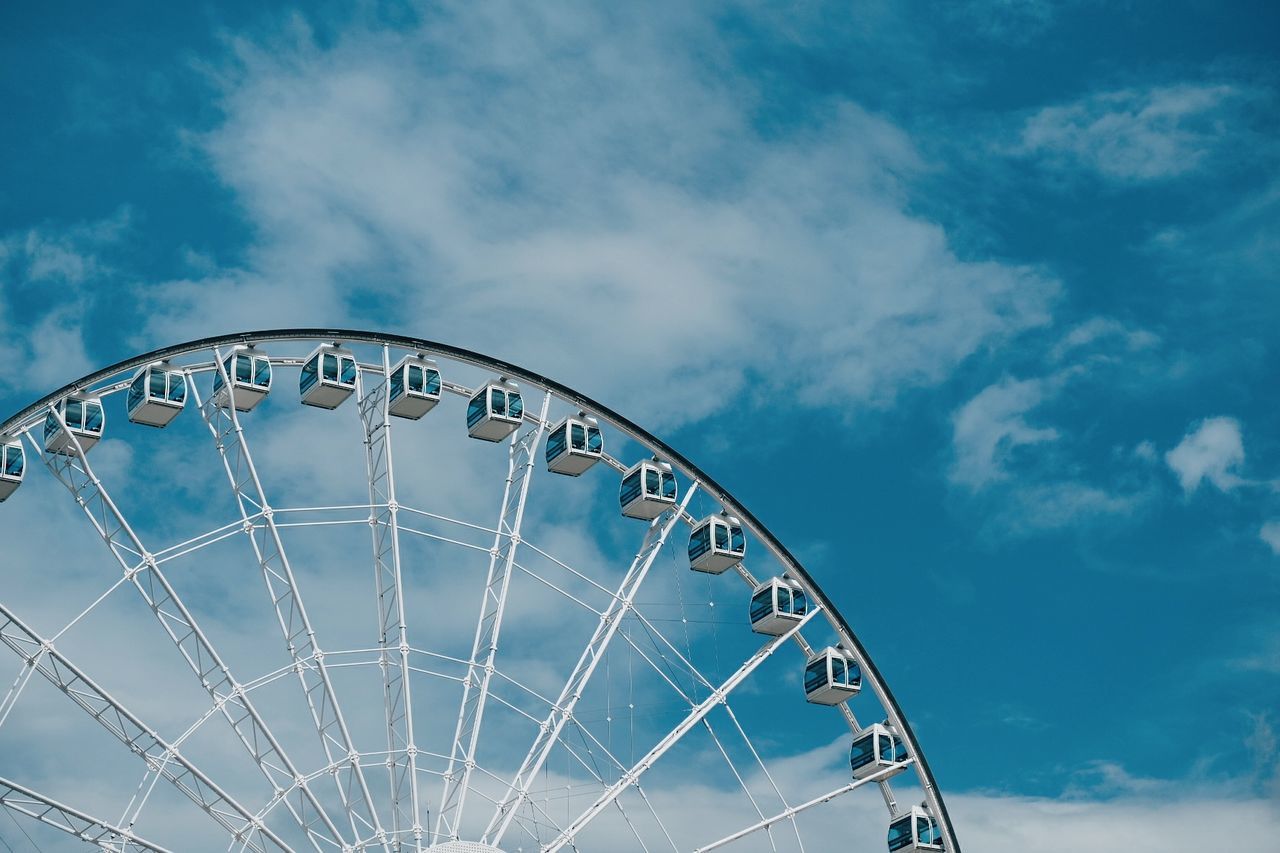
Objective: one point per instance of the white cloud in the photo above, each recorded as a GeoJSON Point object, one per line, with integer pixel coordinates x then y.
{"type": "Point", "coordinates": [1132, 135]}
{"type": "Point", "coordinates": [1270, 533]}
{"type": "Point", "coordinates": [534, 183]}
{"type": "Point", "coordinates": [1212, 450]}
{"type": "Point", "coordinates": [988, 428]}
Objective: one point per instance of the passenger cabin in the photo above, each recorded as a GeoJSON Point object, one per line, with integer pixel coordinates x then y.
{"type": "Point", "coordinates": [156, 395]}
{"type": "Point", "coordinates": [648, 490]}
{"type": "Point", "coordinates": [574, 445]}
{"type": "Point", "coordinates": [328, 377]}
{"type": "Point", "coordinates": [414, 387]}
{"type": "Point", "coordinates": [831, 677]}
{"type": "Point", "coordinates": [84, 420]}
{"type": "Point", "coordinates": [249, 372]}
{"type": "Point", "coordinates": [914, 831]}
{"type": "Point", "coordinates": [716, 544]}
{"type": "Point", "coordinates": [495, 411]}
{"type": "Point", "coordinates": [874, 750]}
{"type": "Point", "coordinates": [12, 463]}
{"type": "Point", "coordinates": [776, 605]}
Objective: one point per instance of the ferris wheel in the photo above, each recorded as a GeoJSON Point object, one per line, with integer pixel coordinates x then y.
{"type": "Point", "coordinates": [234, 622]}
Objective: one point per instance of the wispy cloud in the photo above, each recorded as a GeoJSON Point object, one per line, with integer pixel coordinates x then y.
{"type": "Point", "coordinates": [555, 168]}
{"type": "Point", "coordinates": [1212, 450]}
{"type": "Point", "coordinates": [1133, 134]}
{"type": "Point", "coordinates": [991, 426]}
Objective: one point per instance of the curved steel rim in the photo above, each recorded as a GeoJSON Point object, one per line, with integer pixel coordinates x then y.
{"type": "Point", "coordinates": [932, 793]}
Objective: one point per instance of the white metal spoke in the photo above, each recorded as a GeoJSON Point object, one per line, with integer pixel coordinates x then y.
{"type": "Point", "coordinates": [622, 603]}
{"type": "Point", "coordinates": [484, 650]}
{"type": "Point", "coordinates": [25, 801]}
{"type": "Point", "coordinates": [139, 738]}
{"type": "Point", "coordinates": [717, 697]}
{"type": "Point", "coordinates": [75, 473]}
{"type": "Point", "coordinates": [790, 812]}
{"type": "Point", "coordinates": [300, 637]}
{"type": "Point", "coordinates": [393, 633]}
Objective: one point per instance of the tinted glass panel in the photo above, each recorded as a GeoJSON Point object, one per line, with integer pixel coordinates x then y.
{"type": "Point", "coordinates": [13, 461]}
{"type": "Point", "coordinates": [244, 368]}
{"type": "Point", "coordinates": [497, 401]}
{"type": "Point", "coordinates": [136, 392]}
{"type": "Point", "coordinates": [722, 537]}
{"type": "Point", "coordinates": [433, 383]}
{"type": "Point", "coordinates": [579, 437]}
{"type": "Point", "coordinates": [862, 752]}
{"type": "Point", "coordinates": [700, 542]}
{"type": "Point", "coordinates": [262, 373]}
{"type": "Point", "coordinates": [516, 405]}
{"type": "Point", "coordinates": [74, 414]}
{"type": "Point", "coordinates": [158, 384]}
{"type": "Point", "coordinates": [348, 371]}
{"type": "Point", "coordinates": [475, 411]}
{"type": "Point", "coordinates": [761, 604]}
{"type": "Point", "coordinates": [669, 486]}
{"type": "Point", "coordinates": [177, 388]}
{"type": "Point", "coordinates": [93, 417]}
{"type": "Point", "coordinates": [595, 442]}
{"type": "Point", "coordinates": [900, 834]}
{"type": "Point", "coordinates": [736, 542]}
{"type": "Point", "coordinates": [330, 367]}
{"type": "Point", "coordinates": [309, 377]}
{"type": "Point", "coordinates": [555, 442]}
{"type": "Point", "coordinates": [815, 675]}
{"type": "Point", "coordinates": [652, 481]}
{"type": "Point", "coordinates": [630, 489]}
{"type": "Point", "coordinates": [415, 378]}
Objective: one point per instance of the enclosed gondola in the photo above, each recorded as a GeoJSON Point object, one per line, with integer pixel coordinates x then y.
{"type": "Point", "coordinates": [574, 445]}
{"type": "Point", "coordinates": [414, 387]}
{"type": "Point", "coordinates": [716, 544]}
{"type": "Point", "coordinates": [156, 395]}
{"type": "Point", "coordinates": [776, 605]}
{"type": "Point", "coordinates": [13, 462]}
{"type": "Point", "coordinates": [914, 831]}
{"type": "Point", "coordinates": [831, 677]}
{"type": "Point", "coordinates": [249, 372]}
{"type": "Point", "coordinates": [495, 411]}
{"type": "Point", "coordinates": [84, 422]}
{"type": "Point", "coordinates": [328, 377]}
{"type": "Point", "coordinates": [876, 749]}
{"type": "Point", "coordinates": [648, 490]}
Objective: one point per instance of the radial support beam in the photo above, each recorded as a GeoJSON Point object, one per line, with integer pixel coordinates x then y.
{"type": "Point", "coordinates": [562, 711]}
{"type": "Point", "coordinates": [791, 812]}
{"type": "Point", "coordinates": [300, 637]}
{"type": "Point", "coordinates": [159, 755]}
{"type": "Point", "coordinates": [484, 651]}
{"type": "Point", "coordinates": [140, 568]}
{"type": "Point", "coordinates": [719, 696]}
{"type": "Point", "coordinates": [393, 634]}
{"type": "Point", "coordinates": [87, 828]}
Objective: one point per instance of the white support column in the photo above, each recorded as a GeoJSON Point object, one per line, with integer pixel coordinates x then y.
{"type": "Point", "coordinates": [622, 602]}
{"type": "Point", "coordinates": [717, 697]}
{"type": "Point", "coordinates": [484, 651]}
{"type": "Point", "coordinates": [87, 828]}
{"type": "Point", "coordinates": [160, 756]}
{"type": "Point", "coordinates": [789, 813]}
{"type": "Point", "coordinates": [393, 635]}
{"type": "Point", "coordinates": [141, 569]}
{"type": "Point", "coordinates": [300, 637]}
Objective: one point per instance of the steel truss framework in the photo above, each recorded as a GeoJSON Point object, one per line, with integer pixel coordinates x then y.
{"type": "Point", "coordinates": [352, 816]}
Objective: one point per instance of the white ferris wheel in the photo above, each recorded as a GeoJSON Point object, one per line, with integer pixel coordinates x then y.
{"type": "Point", "coordinates": [535, 627]}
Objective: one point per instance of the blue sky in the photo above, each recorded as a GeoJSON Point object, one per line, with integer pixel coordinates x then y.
{"type": "Point", "coordinates": [973, 304]}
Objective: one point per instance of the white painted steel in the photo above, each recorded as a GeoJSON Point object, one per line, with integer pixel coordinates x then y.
{"type": "Point", "coordinates": [262, 523]}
